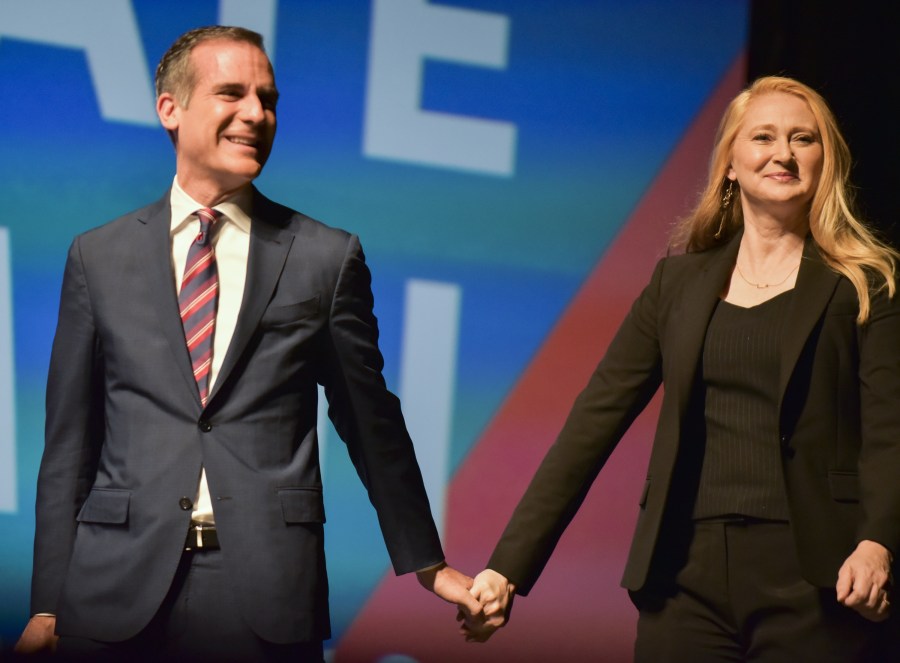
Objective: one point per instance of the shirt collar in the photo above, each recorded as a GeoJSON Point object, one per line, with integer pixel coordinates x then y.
{"type": "Point", "coordinates": [235, 209]}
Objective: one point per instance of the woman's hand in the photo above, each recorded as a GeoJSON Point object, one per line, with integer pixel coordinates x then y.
{"type": "Point", "coordinates": [864, 581]}
{"type": "Point", "coordinates": [495, 593]}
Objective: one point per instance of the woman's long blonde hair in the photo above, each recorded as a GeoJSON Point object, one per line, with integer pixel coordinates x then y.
{"type": "Point", "coordinates": [846, 243]}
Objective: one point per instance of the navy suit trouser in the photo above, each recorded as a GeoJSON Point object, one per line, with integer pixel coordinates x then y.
{"type": "Point", "coordinates": [199, 622]}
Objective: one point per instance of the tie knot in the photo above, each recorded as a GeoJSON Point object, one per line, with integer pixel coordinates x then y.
{"type": "Point", "coordinates": [208, 217]}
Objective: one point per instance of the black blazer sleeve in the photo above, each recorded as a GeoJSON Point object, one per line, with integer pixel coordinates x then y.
{"type": "Point", "coordinates": [624, 382]}
{"type": "Point", "coordinates": [879, 457]}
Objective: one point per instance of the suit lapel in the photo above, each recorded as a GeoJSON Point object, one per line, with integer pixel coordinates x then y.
{"type": "Point", "coordinates": [270, 243]}
{"type": "Point", "coordinates": [815, 286]}
{"type": "Point", "coordinates": [691, 319]}
{"type": "Point", "coordinates": [155, 228]}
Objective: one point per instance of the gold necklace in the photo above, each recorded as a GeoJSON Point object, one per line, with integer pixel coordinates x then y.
{"type": "Point", "coordinates": [763, 286]}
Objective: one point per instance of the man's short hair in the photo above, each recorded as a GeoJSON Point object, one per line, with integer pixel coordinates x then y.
{"type": "Point", "coordinates": [176, 75]}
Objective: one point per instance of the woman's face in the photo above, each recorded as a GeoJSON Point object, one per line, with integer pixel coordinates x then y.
{"type": "Point", "coordinates": [777, 156]}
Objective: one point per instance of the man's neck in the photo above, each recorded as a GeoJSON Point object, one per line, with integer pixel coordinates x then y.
{"type": "Point", "coordinates": [209, 194]}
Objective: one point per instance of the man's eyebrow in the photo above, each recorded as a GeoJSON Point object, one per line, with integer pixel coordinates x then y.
{"type": "Point", "coordinates": [227, 87]}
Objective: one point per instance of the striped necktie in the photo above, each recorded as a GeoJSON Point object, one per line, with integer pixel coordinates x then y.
{"type": "Point", "coordinates": [198, 299]}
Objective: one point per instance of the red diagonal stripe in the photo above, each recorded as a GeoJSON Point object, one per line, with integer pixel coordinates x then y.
{"type": "Point", "coordinates": [201, 365]}
{"type": "Point", "coordinates": [201, 331]}
{"type": "Point", "coordinates": [202, 260]}
{"type": "Point", "coordinates": [203, 297]}
{"type": "Point", "coordinates": [577, 612]}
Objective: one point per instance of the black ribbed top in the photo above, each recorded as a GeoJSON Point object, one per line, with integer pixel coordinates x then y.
{"type": "Point", "coordinates": [741, 471]}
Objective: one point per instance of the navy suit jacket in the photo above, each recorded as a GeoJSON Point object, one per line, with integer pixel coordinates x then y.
{"type": "Point", "coordinates": [838, 420]}
{"type": "Point", "coordinates": [126, 436]}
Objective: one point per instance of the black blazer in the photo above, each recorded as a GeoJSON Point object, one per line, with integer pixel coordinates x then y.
{"type": "Point", "coordinates": [126, 435]}
{"type": "Point", "coordinates": [839, 419]}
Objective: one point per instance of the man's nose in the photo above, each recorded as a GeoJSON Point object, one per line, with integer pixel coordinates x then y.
{"type": "Point", "coordinates": [252, 109]}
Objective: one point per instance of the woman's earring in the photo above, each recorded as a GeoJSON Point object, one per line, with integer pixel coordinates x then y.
{"type": "Point", "coordinates": [728, 195]}
{"type": "Point", "coordinates": [726, 203]}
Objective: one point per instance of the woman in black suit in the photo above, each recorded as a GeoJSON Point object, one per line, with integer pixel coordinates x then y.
{"type": "Point", "coordinates": [771, 510]}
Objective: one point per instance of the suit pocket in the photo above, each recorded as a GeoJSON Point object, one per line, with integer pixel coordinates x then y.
{"type": "Point", "coordinates": [280, 316]}
{"type": "Point", "coordinates": [844, 486]}
{"type": "Point", "coordinates": [302, 505]}
{"type": "Point", "coordinates": [105, 505]}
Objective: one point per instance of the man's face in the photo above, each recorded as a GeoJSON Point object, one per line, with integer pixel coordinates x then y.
{"type": "Point", "coordinates": [225, 134]}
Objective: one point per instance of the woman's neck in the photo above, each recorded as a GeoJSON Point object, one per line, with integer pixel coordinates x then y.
{"type": "Point", "coordinates": [767, 245]}
{"type": "Point", "coordinates": [768, 261]}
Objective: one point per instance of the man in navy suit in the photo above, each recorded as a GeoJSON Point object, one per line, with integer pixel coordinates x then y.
{"type": "Point", "coordinates": [179, 507]}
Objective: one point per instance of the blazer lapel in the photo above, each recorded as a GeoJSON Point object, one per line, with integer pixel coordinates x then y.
{"type": "Point", "coordinates": [692, 319]}
{"type": "Point", "coordinates": [156, 225]}
{"type": "Point", "coordinates": [815, 286]}
{"type": "Point", "coordinates": [270, 243]}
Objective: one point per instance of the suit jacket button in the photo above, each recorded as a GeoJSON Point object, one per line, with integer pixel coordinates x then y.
{"type": "Point", "coordinates": [204, 425]}
{"type": "Point", "coordinates": [185, 504]}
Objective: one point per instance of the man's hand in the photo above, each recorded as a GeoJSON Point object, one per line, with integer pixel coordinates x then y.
{"type": "Point", "coordinates": [453, 587]}
{"type": "Point", "coordinates": [495, 593]}
{"type": "Point", "coordinates": [864, 581]}
{"type": "Point", "coordinates": [39, 636]}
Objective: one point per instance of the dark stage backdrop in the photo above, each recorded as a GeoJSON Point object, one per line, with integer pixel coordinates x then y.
{"type": "Point", "coordinates": [848, 51]}
{"type": "Point", "coordinates": [513, 168]}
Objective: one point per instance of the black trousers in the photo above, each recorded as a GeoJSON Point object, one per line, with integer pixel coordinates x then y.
{"type": "Point", "coordinates": [737, 594]}
{"type": "Point", "coordinates": [199, 622]}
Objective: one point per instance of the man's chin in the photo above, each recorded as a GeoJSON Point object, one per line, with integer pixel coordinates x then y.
{"type": "Point", "coordinates": [244, 173]}
{"type": "Point", "coordinates": [249, 167]}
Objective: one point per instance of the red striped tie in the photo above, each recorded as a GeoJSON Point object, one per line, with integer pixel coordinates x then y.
{"type": "Point", "coordinates": [198, 299]}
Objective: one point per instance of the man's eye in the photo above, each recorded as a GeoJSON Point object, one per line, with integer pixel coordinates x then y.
{"type": "Point", "coordinates": [229, 93]}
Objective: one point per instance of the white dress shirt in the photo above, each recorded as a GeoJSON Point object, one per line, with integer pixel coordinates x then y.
{"type": "Point", "coordinates": [231, 242]}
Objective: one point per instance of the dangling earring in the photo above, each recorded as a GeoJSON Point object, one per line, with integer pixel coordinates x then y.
{"type": "Point", "coordinates": [721, 224]}
{"type": "Point", "coordinates": [726, 203]}
{"type": "Point", "coordinates": [728, 195]}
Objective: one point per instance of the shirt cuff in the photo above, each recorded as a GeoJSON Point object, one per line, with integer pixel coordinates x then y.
{"type": "Point", "coordinates": [432, 567]}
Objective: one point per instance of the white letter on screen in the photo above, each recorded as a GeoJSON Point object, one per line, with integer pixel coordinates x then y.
{"type": "Point", "coordinates": [323, 426]}
{"type": "Point", "coordinates": [258, 15]}
{"type": "Point", "coordinates": [403, 34]}
{"type": "Point", "coordinates": [428, 380]}
{"type": "Point", "coordinates": [427, 383]}
{"type": "Point", "coordinates": [8, 487]}
{"type": "Point", "coordinates": [107, 31]}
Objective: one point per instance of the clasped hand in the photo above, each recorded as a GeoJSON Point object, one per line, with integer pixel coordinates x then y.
{"type": "Point", "coordinates": [864, 584]}
{"type": "Point", "coordinates": [495, 594]}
